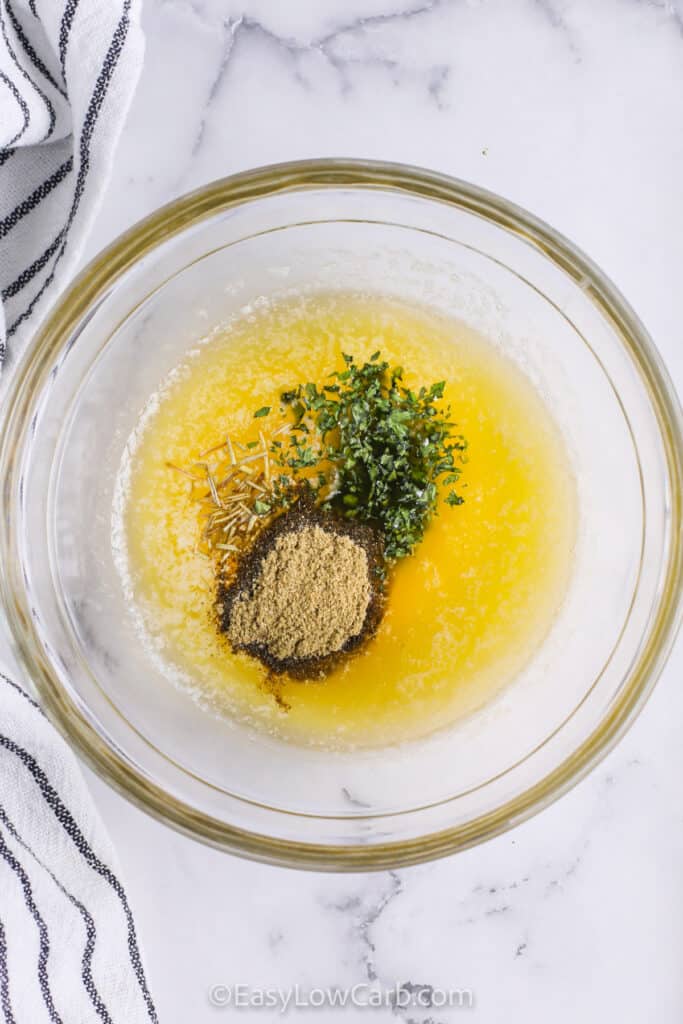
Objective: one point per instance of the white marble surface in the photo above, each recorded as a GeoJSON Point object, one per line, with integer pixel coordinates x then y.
{"type": "Point", "coordinates": [573, 108]}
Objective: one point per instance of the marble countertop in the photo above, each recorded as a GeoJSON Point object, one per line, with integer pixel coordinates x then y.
{"type": "Point", "coordinates": [574, 109]}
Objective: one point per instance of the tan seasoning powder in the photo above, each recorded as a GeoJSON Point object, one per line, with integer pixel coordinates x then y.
{"type": "Point", "coordinates": [310, 596]}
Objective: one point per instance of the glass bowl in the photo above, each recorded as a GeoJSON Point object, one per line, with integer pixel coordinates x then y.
{"type": "Point", "coordinates": [134, 313]}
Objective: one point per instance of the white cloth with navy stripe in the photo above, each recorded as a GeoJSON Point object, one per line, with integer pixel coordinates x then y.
{"type": "Point", "coordinates": [69, 951]}
{"type": "Point", "coordinates": [68, 71]}
{"type": "Point", "coordinates": [68, 945]}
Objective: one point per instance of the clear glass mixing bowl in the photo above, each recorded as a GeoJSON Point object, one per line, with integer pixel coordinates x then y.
{"type": "Point", "coordinates": [134, 313]}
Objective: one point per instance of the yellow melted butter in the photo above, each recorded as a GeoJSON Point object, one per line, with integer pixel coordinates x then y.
{"type": "Point", "coordinates": [465, 613]}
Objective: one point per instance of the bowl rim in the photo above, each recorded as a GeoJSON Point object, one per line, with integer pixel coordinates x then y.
{"type": "Point", "coordinates": [90, 287]}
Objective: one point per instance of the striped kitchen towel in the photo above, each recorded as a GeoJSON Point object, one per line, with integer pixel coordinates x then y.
{"type": "Point", "coordinates": [69, 951]}
{"type": "Point", "coordinates": [68, 71]}
{"type": "Point", "coordinates": [68, 947]}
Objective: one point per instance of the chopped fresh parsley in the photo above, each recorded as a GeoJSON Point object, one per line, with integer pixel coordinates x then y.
{"type": "Point", "coordinates": [382, 449]}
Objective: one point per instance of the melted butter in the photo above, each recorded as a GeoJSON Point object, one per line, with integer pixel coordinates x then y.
{"type": "Point", "coordinates": [465, 613]}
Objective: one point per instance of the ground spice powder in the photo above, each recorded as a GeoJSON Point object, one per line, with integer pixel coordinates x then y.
{"type": "Point", "coordinates": [306, 593]}
{"type": "Point", "coordinates": [310, 597]}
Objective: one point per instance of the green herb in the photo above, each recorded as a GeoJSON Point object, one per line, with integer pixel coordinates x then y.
{"type": "Point", "coordinates": [383, 448]}
{"type": "Point", "coordinates": [263, 411]}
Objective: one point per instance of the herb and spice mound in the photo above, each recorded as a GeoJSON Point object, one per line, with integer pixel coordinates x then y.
{"type": "Point", "coordinates": [305, 523]}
